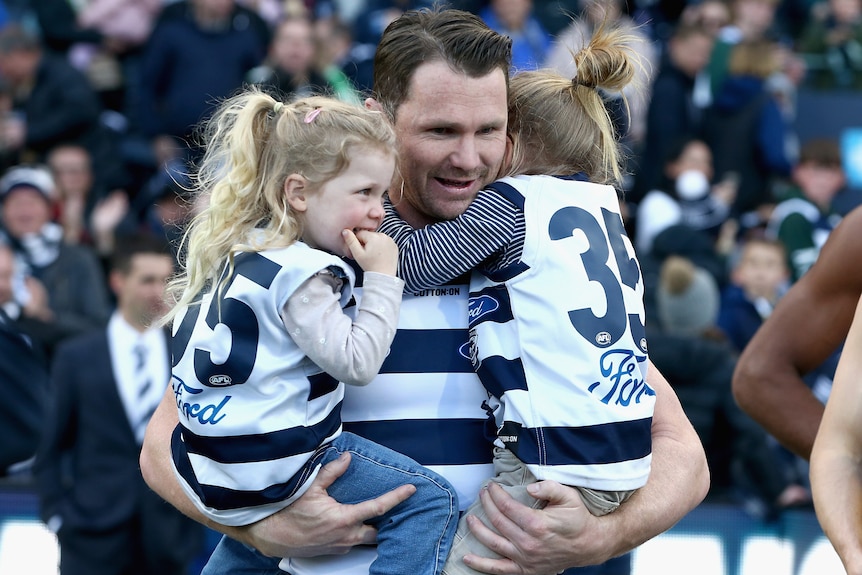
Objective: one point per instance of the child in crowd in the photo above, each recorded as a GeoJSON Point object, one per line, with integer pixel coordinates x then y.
{"type": "Point", "coordinates": [261, 337]}
{"type": "Point", "coordinates": [556, 301]}
{"type": "Point", "coordinates": [805, 217]}
{"type": "Point", "coordinates": [758, 279]}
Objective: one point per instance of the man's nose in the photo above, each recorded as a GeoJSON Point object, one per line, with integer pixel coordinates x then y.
{"type": "Point", "coordinates": [466, 155]}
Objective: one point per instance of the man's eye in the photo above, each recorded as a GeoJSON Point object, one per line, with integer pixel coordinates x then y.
{"type": "Point", "coordinates": [365, 192]}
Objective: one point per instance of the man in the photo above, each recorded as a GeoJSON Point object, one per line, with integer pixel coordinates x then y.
{"type": "Point", "coordinates": [64, 288]}
{"type": "Point", "coordinates": [53, 103]}
{"type": "Point", "coordinates": [104, 386]}
{"type": "Point", "coordinates": [23, 381]}
{"type": "Point", "coordinates": [835, 469]}
{"type": "Point", "coordinates": [809, 323]}
{"type": "Point", "coordinates": [441, 76]}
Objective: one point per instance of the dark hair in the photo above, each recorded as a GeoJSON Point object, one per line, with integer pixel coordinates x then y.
{"type": "Point", "coordinates": [459, 38]}
{"type": "Point", "coordinates": [131, 245]}
{"type": "Point", "coordinates": [823, 152]}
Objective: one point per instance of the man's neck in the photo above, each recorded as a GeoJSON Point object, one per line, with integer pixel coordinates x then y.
{"type": "Point", "coordinates": [411, 215]}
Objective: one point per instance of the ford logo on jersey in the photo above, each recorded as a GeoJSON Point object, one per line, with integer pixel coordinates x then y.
{"type": "Point", "coordinates": [482, 305]}
{"type": "Point", "coordinates": [220, 380]}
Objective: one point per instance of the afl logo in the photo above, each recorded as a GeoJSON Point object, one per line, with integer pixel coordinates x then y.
{"type": "Point", "coordinates": [643, 345]}
{"type": "Point", "coordinates": [220, 380]}
{"type": "Point", "coordinates": [603, 339]}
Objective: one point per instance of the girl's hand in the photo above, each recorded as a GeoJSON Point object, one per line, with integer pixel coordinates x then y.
{"type": "Point", "coordinates": [373, 251]}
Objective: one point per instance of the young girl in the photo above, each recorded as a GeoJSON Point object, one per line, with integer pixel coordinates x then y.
{"type": "Point", "coordinates": [261, 339]}
{"type": "Point", "coordinates": [556, 310]}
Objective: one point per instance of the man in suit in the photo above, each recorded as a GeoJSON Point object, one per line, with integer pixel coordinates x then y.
{"type": "Point", "coordinates": [105, 386]}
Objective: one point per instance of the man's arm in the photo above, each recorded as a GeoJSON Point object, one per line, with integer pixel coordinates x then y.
{"type": "Point", "coordinates": [313, 525]}
{"type": "Point", "coordinates": [807, 325]}
{"type": "Point", "coordinates": [564, 534]}
{"type": "Point", "coordinates": [836, 459]}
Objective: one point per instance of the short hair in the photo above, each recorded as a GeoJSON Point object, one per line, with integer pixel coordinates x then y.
{"type": "Point", "coordinates": [825, 152]}
{"type": "Point", "coordinates": [130, 245]}
{"type": "Point", "coordinates": [459, 38]}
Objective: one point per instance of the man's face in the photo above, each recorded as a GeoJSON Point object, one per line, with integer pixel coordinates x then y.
{"type": "Point", "coordinates": [71, 170]}
{"type": "Point", "coordinates": [293, 48]}
{"type": "Point", "coordinates": [141, 292]}
{"type": "Point", "coordinates": [25, 211]}
{"type": "Point", "coordinates": [691, 55]}
{"type": "Point", "coordinates": [451, 132]}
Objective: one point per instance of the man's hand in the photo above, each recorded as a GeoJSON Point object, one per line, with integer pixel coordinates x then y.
{"type": "Point", "coordinates": [316, 524]}
{"type": "Point", "coordinates": [534, 541]}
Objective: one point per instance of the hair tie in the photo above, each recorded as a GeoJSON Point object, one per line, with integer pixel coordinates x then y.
{"type": "Point", "coordinates": [311, 115]}
{"type": "Point", "coordinates": [276, 108]}
{"type": "Point", "coordinates": [576, 83]}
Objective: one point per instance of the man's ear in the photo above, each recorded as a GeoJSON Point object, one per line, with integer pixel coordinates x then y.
{"type": "Point", "coordinates": [295, 188]}
{"type": "Point", "coordinates": [373, 104]}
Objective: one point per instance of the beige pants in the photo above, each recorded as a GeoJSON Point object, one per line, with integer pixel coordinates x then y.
{"type": "Point", "coordinates": [513, 476]}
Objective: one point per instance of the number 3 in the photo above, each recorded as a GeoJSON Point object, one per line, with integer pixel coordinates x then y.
{"type": "Point", "coordinates": [607, 330]}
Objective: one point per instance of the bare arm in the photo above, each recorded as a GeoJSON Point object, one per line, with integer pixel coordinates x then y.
{"type": "Point", "coordinates": [836, 459]}
{"type": "Point", "coordinates": [564, 534]}
{"type": "Point", "coordinates": [313, 525]}
{"type": "Point", "coordinates": [808, 324]}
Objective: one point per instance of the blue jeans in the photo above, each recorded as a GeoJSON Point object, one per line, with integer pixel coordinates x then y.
{"type": "Point", "coordinates": [414, 537]}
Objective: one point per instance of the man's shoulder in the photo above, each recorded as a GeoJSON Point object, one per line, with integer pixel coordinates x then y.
{"type": "Point", "coordinates": [83, 346]}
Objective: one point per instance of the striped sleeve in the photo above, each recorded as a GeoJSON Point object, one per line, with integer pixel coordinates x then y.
{"type": "Point", "coordinates": [440, 252]}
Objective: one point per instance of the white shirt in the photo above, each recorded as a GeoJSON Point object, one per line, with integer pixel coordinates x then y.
{"type": "Point", "coordinates": [122, 340]}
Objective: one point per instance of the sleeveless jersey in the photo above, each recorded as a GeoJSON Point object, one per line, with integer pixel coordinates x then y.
{"type": "Point", "coordinates": [253, 408]}
{"type": "Point", "coordinates": [559, 340]}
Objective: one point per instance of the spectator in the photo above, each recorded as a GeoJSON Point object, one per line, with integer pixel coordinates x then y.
{"type": "Point", "coordinates": [200, 51]}
{"type": "Point", "coordinates": [53, 103]}
{"type": "Point", "coordinates": [711, 15]}
{"type": "Point", "coordinates": [291, 68]}
{"type": "Point", "coordinates": [104, 387]}
{"type": "Point", "coordinates": [751, 21]}
{"type": "Point", "coordinates": [804, 220]}
{"type": "Point", "coordinates": [746, 129]}
{"type": "Point", "coordinates": [831, 44]}
{"type": "Point", "coordinates": [24, 381]}
{"type": "Point", "coordinates": [687, 196]}
{"type": "Point", "coordinates": [758, 279]}
{"type": "Point", "coordinates": [675, 111]}
{"type": "Point", "coordinates": [515, 19]}
{"type": "Point", "coordinates": [65, 291]}
{"type": "Point", "coordinates": [699, 365]}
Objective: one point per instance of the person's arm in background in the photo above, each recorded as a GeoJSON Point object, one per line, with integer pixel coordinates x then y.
{"type": "Point", "coordinates": [564, 534]}
{"type": "Point", "coordinates": [313, 525]}
{"type": "Point", "coordinates": [836, 458]}
{"type": "Point", "coordinates": [807, 325]}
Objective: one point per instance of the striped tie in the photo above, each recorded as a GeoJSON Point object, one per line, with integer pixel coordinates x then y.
{"type": "Point", "coordinates": [144, 382]}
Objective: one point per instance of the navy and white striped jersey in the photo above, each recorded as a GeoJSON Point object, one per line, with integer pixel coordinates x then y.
{"type": "Point", "coordinates": [556, 320]}
{"type": "Point", "coordinates": [252, 407]}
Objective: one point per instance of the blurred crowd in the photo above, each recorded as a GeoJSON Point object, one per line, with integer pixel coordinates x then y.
{"type": "Point", "coordinates": [727, 208]}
